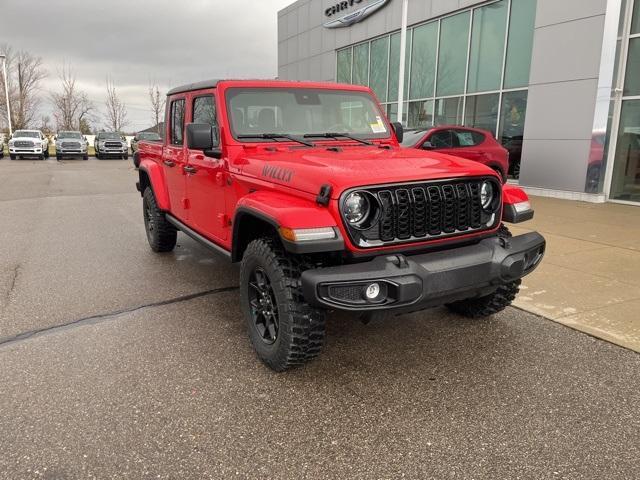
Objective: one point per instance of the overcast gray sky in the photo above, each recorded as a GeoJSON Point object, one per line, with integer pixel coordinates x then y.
{"type": "Point", "coordinates": [135, 41]}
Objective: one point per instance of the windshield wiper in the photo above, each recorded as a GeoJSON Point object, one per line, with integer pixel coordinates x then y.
{"type": "Point", "coordinates": [275, 136]}
{"type": "Point", "coordinates": [336, 136]}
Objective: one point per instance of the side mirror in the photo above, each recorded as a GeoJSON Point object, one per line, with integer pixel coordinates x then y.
{"type": "Point", "coordinates": [398, 129]}
{"type": "Point", "coordinates": [202, 136]}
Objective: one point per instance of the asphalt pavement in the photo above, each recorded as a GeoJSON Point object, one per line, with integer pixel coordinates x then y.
{"type": "Point", "coordinates": [119, 363]}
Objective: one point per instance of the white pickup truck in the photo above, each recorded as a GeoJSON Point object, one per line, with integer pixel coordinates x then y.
{"type": "Point", "coordinates": [28, 143]}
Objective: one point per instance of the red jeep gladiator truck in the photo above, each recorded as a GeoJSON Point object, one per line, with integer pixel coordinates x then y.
{"type": "Point", "coordinates": [306, 187]}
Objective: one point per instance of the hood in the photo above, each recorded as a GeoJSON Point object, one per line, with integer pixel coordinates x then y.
{"type": "Point", "coordinates": [307, 170]}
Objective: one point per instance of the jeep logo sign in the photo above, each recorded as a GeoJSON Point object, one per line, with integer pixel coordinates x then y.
{"type": "Point", "coordinates": [352, 17]}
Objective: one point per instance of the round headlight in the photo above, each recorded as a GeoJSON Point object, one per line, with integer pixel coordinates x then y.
{"type": "Point", "coordinates": [356, 208]}
{"type": "Point", "coordinates": [487, 195]}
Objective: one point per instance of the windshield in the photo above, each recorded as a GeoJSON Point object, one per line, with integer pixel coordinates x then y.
{"type": "Point", "coordinates": [75, 135]}
{"type": "Point", "coordinates": [411, 137]}
{"type": "Point", "coordinates": [109, 136]}
{"type": "Point", "coordinates": [299, 112]}
{"type": "Point", "coordinates": [149, 136]}
{"type": "Point", "coordinates": [26, 134]}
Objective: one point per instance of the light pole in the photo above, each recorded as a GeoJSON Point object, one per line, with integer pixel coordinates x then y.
{"type": "Point", "coordinates": [6, 90]}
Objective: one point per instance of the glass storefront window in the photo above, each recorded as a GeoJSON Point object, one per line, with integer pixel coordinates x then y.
{"type": "Point", "coordinates": [635, 22]}
{"type": "Point", "coordinates": [423, 60]}
{"type": "Point", "coordinates": [379, 67]}
{"type": "Point", "coordinates": [632, 75]}
{"type": "Point", "coordinates": [454, 41]}
{"type": "Point", "coordinates": [344, 66]}
{"type": "Point", "coordinates": [512, 117]}
{"type": "Point", "coordinates": [420, 114]}
{"type": "Point", "coordinates": [482, 112]}
{"type": "Point", "coordinates": [448, 111]}
{"type": "Point", "coordinates": [392, 112]}
{"type": "Point", "coordinates": [394, 65]}
{"type": "Point", "coordinates": [487, 47]}
{"type": "Point", "coordinates": [361, 64]}
{"type": "Point", "coordinates": [625, 184]}
{"type": "Point", "coordinates": [520, 43]}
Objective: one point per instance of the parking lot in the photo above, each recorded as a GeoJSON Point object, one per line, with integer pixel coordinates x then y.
{"type": "Point", "coordinates": [116, 361]}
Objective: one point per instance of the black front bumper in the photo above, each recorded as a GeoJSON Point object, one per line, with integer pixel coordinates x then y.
{"type": "Point", "coordinates": [428, 280]}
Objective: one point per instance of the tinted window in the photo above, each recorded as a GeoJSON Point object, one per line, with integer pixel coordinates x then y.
{"type": "Point", "coordinates": [204, 110]}
{"type": "Point", "coordinates": [177, 122]}
{"type": "Point", "coordinates": [443, 139]}
{"type": "Point", "coordinates": [467, 138]}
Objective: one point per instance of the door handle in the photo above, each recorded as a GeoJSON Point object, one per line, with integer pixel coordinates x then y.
{"type": "Point", "coordinates": [189, 169]}
{"type": "Point", "coordinates": [169, 163]}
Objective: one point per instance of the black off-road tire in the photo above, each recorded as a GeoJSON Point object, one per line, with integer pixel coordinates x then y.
{"type": "Point", "coordinates": [162, 236]}
{"type": "Point", "coordinates": [301, 328]}
{"type": "Point", "coordinates": [489, 304]}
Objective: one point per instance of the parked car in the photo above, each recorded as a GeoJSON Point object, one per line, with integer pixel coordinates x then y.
{"type": "Point", "coordinates": [149, 136]}
{"type": "Point", "coordinates": [111, 144]}
{"type": "Point", "coordinates": [71, 144]}
{"type": "Point", "coordinates": [306, 187]}
{"type": "Point", "coordinates": [470, 143]}
{"type": "Point", "coordinates": [28, 143]}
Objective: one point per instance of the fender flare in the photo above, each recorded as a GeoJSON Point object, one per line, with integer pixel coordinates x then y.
{"type": "Point", "coordinates": [285, 211]}
{"type": "Point", "coordinates": [156, 181]}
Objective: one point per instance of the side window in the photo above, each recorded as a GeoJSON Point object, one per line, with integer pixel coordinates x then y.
{"type": "Point", "coordinates": [467, 138]}
{"type": "Point", "coordinates": [204, 110]}
{"type": "Point", "coordinates": [177, 122]}
{"type": "Point", "coordinates": [442, 139]}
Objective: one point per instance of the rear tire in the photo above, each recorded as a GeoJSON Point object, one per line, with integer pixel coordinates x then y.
{"type": "Point", "coordinates": [490, 304]}
{"type": "Point", "coordinates": [284, 330]}
{"type": "Point", "coordinates": [162, 236]}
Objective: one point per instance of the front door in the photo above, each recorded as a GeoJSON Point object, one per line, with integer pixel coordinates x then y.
{"type": "Point", "coordinates": [174, 160]}
{"type": "Point", "coordinates": [206, 179]}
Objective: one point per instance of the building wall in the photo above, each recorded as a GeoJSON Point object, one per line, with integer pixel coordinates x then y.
{"type": "Point", "coordinates": [563, 79]}
{"type": "Point", "coordinates": [306, 50]}
{"type": "Point", "coordinates": [562, 93]}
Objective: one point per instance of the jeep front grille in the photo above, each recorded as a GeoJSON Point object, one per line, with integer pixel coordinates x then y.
{"type": "Point", "coordinates": [423, 211]}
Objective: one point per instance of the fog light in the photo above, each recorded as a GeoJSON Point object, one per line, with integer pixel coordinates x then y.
{"type": "Point", "coordinates": [372, 291]}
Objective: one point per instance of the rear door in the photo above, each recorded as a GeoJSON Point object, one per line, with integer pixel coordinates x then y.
{"type": "Point", "coordinates": [206, 179]}
{"type": "Point", "coordinates": [174, 158]}
{"type": "Point", "coordinates": [468, 144]}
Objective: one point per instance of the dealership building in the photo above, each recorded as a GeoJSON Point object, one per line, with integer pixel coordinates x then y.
{"type": "Point", "coordinates": [556, 81]}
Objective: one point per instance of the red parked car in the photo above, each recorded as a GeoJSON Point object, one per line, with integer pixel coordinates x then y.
{"type": "Point", "coordinates": [470, 143]}
{"type": "Point", "coordinates": [305, 186]}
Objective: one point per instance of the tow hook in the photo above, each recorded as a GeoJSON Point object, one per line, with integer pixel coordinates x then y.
{"type": "Point", "coordinates": [399, 261]}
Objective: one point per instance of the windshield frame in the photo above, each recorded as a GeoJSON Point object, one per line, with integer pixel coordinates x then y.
{"type": "Point", "coordinates": [230, 92]}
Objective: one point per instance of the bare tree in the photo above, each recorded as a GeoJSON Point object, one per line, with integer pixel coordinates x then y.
{"type": "Point", "coordinates": [71, 106]}
{"type": "Point", "coordinates": [24, 74]}
{"type": "Point", "coordinates": [116, 117]}
{"type": "Point", "coordinates": [157, 105]}
{"type": "Point", "coordinates": [45, 125]}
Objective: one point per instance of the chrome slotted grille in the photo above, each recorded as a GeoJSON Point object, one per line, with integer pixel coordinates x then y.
{"type": "Point", "coordinates": [113, 145]}
{"type": "Point", "coordinates": [24, 144]}
{"type": "Point", "coordinates": [423, 211]}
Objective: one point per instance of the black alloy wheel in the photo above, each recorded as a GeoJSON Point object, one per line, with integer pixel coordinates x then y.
{"type": "Point", "coordinates": [264, 308]}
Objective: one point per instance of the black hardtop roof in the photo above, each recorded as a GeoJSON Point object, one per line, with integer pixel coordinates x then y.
{"type": "Point", "coordinates": [194, 86]}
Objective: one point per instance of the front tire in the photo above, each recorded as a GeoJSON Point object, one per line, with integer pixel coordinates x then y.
{"type": "Point", "coordinates": [284, 330]}
{"type": "Point", "coordinates": [490, 304]}
{"type": "Point", "coordinates": [162, 236]}
{"type": "Point", "coordinates": [13, 157]}
{"type": "Point", "coordinates": [85, 157]}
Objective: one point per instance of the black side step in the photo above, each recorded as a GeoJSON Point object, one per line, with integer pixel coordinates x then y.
{"type": "Point", "coordinates": [197, 237]}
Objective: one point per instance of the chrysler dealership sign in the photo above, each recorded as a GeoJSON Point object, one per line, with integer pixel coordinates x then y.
{"type": "Point", "coordinates": [351, 17]}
